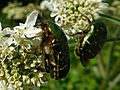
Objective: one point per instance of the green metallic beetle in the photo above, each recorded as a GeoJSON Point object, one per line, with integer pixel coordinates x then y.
{"type": "Point", "coordinates": [55, 45]}
{"type": "Point", "coordinates": [91, 42]}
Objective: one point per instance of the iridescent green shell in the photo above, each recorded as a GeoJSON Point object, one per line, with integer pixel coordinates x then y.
{"type": "Point", "coordinates": [57, 63]}
{"type": "Point", "coordinates": [91, 43]}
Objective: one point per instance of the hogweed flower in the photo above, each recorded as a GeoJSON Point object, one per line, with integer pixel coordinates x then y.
{"type": "Point", "coordinates": [75, 15]}
{"type": "Point", "coordinates": [20, 54]}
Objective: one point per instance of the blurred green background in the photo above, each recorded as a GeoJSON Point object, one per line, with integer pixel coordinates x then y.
{"type": "Point", "coordinates": [102, 73]}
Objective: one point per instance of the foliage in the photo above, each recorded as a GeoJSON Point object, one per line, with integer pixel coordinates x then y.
{"type": "Point", "coordinates": [102, 73]}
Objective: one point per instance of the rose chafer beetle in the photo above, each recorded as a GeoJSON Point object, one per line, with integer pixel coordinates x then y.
{"type": "Point", "coordinates": [91, 41]}
{"type": "Point", "coordinates": [56, 51]}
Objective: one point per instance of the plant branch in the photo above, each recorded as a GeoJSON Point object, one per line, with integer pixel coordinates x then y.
{"type": "Point", "coordinates": [103, 71]}
{"type": "Point", "coordinates": [111, 18]}
{"type": "Point", "coordinates": [101, 66]}
{"type": "Point", "coordinates": [113, 39]}
{"type": "Point", "coordinates": [113, 83]}
{"type": "Point", "coordinates": [112, 49]}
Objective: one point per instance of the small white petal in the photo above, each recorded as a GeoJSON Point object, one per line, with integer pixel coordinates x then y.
{"type": "Point", "coordinates": [46, 4]}
{"type": "Point", "coordinates": [10, 41]}
{"type": "Point", "coordinates": [32, 33]}
{"type": "Point", "coordinates": [31, 19]}
{"type": "Point", "coordinates": [43, 4]}
{"type": "Point", "coordinates": [7, 31]}
{"type": "Point", "coordinates": [2, 84]}
{"type": "Point", "coordinates": [103, 5]}
{"type": "Point", "coordinates": [11, 87]}
{"type": "Point", "coordinates": [0, 27]}
{"type": "Point", "coordinates": [53, 14]}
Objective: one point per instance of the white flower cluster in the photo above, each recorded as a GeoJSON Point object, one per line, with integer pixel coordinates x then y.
{"type": "Point", "coordinates": [76, 15]}
{"type": "Point", "coordinates": [20, 56]}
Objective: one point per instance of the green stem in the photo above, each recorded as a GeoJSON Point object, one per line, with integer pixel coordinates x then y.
{"type": "Point", "coordinates": [103, 71]}
{"type": "Point", "coordinates": [111, 18]}
{"type": "Point", "coordinates": [103, 85]}
{"type": "Point", "coordinates": [113, 39]}
{"type": "Point", "coordinates": [114, 69]}
{"type": "Point", "coordinates": [113, 83]}
{"type": "Point", "coordinates": [108, 40]}
{"type": "Point", "coordinates": [101, 66]}
{"type": "Point", "coordinates": [112, 48]}
{"type": "Point", "coordinates": [111, 55]}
